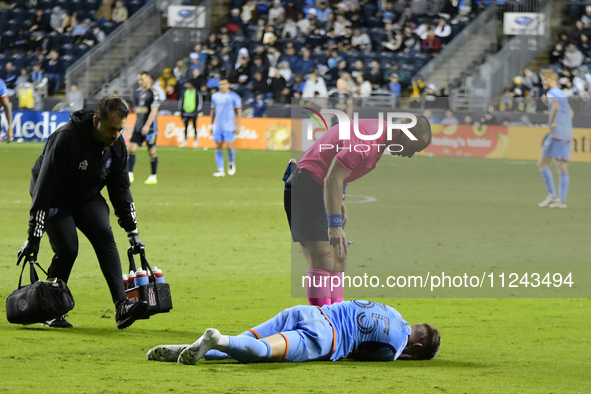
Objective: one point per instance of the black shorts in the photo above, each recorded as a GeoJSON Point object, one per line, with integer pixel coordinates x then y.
{"type": "Point", "coordinates": [303, 201]}
{"type": "Point", "coordinates": [139, 139]}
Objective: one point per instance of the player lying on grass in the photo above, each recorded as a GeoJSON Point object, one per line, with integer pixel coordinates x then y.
{"type": "Point", "coordinates": [362, 330]}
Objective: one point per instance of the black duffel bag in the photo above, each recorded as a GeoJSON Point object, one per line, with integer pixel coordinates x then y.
{"type": "Point", "coordinates": [40, 301]}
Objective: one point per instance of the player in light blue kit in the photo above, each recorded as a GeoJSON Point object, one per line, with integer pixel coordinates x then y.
{"type": "Point", "coordinates": [8, 111]}
{"type": "Point", "coordinates": [557, 144]}
{"type": "Point", "coordinates": [362, 330]}
{"type": "Point", "coordinates": [226, 114]}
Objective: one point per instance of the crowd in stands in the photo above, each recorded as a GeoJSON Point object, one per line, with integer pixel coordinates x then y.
{"type": "Point", "coordinates": [41, 38]}
{"type": "Point", "coordinates": [571, 59]}
{"type": "Point", "coordinates": [273, 51]}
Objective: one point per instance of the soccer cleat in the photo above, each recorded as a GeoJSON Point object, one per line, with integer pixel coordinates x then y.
{"type": "Point", "coordinates": [166, 353]}
{"type": "Point", "coordinates": [558, 204]}
{"type": "Point", "coordinates": [183, 144]}
{"type": "Point", "coordinates": [196, 143]}
{"type": "Point", "coordinates": [131, 177]}
{"type": "Point", "coordinates": [548, 200]}
{"type": "Point", "coordinates": [231, 169]}
{"type": "Point", "coordinates": [219, 174]}
{"type": "Point", "coordinates": [128, 312]}
{"type": "Point", "coordinates": [196, 351]}
{"type": "Point", "coordinates": [152, 180]}
{"type": "Point", "coordinates": [60, 322]}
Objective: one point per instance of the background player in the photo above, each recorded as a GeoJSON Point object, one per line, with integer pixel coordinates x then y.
{"type": "Point", "coordinates": [363, 330]}
{"type": "Point", "coordinates": [314, 198]}
{"type": "Point", "coordinates": [557, 144]}
{"type": "Point", "coordinates": [7, 110]}
{"type": "Point", "coordinates": [226, 114]}
{"type": "Point", "coordinates": [147, 103]}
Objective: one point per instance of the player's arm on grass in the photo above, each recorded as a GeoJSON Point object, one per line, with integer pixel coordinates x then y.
{"type": "Point", "coordinates": [8, 110]}
{"type": "Point", "coordinates": [333, 204]}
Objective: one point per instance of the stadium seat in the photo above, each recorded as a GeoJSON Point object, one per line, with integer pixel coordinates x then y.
{"type": "Point", "coordinates": [108, 27]}
{"type": "Point", "coordinates": [7, 39]}
{"type": "Point", "coordinates": [80, 50]}
{"type": "Point", "coordinates": [18, 15]}
{"type": "Point", "coordinates": [67, 49]}
{"type": "Point", "coordinates": [134, 5]}
{"type": "Point", "coordinates": [90, 5]}
{"type": "Point", "coordinates": [67, 61]}
{"type": "Point", "coordinates": [17, 59]}
{"type": "Point", "coordinates": [45, 4]}
{"type": "Point", "coordinates": [11, 25]}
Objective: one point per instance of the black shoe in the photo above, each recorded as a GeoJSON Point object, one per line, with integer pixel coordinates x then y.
{"type": "Point", "coordinates": [60, 322]}
{"type": "Point", "coordinates": [129, 311]}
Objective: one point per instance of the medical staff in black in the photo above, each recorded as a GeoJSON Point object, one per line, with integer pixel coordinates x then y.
{"type": "Point", "coordinates": [78, 160]}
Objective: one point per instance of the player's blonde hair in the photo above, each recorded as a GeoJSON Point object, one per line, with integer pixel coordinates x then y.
{"type": "Point", "coordinates": [549, 74]}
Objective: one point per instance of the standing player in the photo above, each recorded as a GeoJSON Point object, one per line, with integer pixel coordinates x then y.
{"type": "Point", "coordinates": [147, 103]}
{"type": "Point", "coordinates": [77, 162]}
{"type": "Point", "coordinates": [362, 330]}
{"type": "Point", "coordinates": [314, 197]}
{"type": "Point", "coordinates": [7, 110]}
{"type": "Point", "coordinates": [226, 114]}
{"type": "Point", "coordinates": [557, 144]}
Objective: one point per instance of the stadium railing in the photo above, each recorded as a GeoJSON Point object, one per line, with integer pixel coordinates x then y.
{"type": "Point", "coordinates": [466, 47]}
{"type": "Point", "coordinates": [175, 43]}
{"type": "Point", "coordinates": [104, 61]}
{"type": "Point", "coordinates": [495, 74]}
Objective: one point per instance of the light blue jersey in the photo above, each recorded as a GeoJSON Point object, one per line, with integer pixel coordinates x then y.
{"type": "Point", "coordinates": [367, 330]}
{"type": "Point", "coordinates": [225, 105]}
{"type": "Point", "coordinates": [3, 92]}
{"type": "Point", "coordinates": [564, 123]}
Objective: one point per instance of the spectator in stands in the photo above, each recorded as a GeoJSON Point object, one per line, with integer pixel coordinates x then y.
{"type": "Point", "coordinates": [298, 83]}
{"type": "Point", "coordinates": [556, 54]}
{"type": "Point", "coordinates": [410, 41]}
{"type": "Point", "coordinates": [361, 41]}
{"type": "Point", "coordinates": [468, 120]}
{"type": "Point", "coordinates": [432, 44]}
{"type": "Point", "coordinates": [235, 24]}
{"type": "Point", "coordinates": [285, 96]}
{"type": "Point", "coordinates": [22, 78]}
{"type": "Point", "coordinates": [443, 31]}
{"type": "Point", "coordinates": [340, 25]}
{"type": "Point", "coordinates": [416, 95]}
{"type": "Point", "coordinates": [259, 106]}
{"type": "Point", "coordinates": [93, 36]}
{"type": "Point", "coordinates": [80, 30]}
{"type": "Point", "coordinates": [304, 63]}
{"type": "Point", "coordinates": [584, 45]}
{"type": "Point", "coordinates": [430, 99]}
{"type": "Point", "coordinates": [423, 30]}
{"type": "Point", "coordinates": [39, 80]}
{"type": "Point", "coordinates": [201, 56]}
{"type": "Point", "coordinates": [40, 22]}
{"type": "Point", "coordinates": [260, 86]}
{"type": "Point", "coordinates": [338, 71]}
{"type": "Point", "coordinates": [375, 75]}
{"type": "Point", "coordinates": [74, 98]}
{"type": "Point", "coordinates": [26, 97]}
{"type": "Point", "coordinates": [195, 63]}
{"type": "Point", "coordinates": [449, 118]}
{"type": "Point", "coordinates": [258, 66]}
{"type": "Point", "coordinates": [406, 18]}
{"type": "Point", "coordinates": [290, 30]}
{"type": "Point", "coordinates": [314, 84]}
{"type": "Point", "coordinates": [180, 71]}
{"type": "Point", "coordinates": [104, 12]}
{"type": "Point", "coordinates": [586, 18]}
{"type": "Point", "coordinates": [54, 69]}
{"type": "Point", "coordinates": [315, 39]}
{"type": "Point", "coordinates": [363, 88]}
{"type": "Point", "coordinates": [277, 82]}
{"type": "Point", "coordinates": [269, 38]}
{"type": "Point", "coordinates": [57, 19]}
{"type": "Point", "coordinates": [392, 39]}
{"type": "Point", "coordinates": [572, 57]}
{"type": "Point", "coordinates": [394, 86]}
{"type": "Point", "coordinates": [276, 11]}
{"type": "Point", "coordinates": [197, 79]}
{"type": "Point", "coordinates": [323, 12]}
{"type": "Point", "coordinates": [241, 72]}
{"type": "Point", "coordinates": [247, 11]}
{"type": "Point", "coordinates": [530, 79]}
{"type": "Point", "coordinates": [358, 68]}
{"type": "Point", "coordinates": [285, 71]}
{"type": "Point", "coordinates": [273, 56]}
{"type": "Point", "coordinates": [120, 13]}
{"type": "Point", "coordinates": [292, 12]}
{"type": "Point", "coordinates": [167, 79]}
{"type": "Point", "coordinates": [489, 119]}
{"type": "Point", "coordinates": [9, 75]}
{"type": "Point", "coordinates": [430, 117]}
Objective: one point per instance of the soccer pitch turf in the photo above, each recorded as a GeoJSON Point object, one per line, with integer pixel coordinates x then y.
{"type": "Point", "coordinates": [224, 247]}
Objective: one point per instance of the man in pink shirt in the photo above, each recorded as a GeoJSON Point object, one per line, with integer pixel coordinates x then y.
{"type": "Point", "coordinates": [315, 193]}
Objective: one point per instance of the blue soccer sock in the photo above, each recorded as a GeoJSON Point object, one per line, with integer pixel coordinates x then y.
{"type": "Point", "coordinates": [248, 350]}
{"type": "Point", "coordinates": [215, 355]}
{"type": "Point", "coordinates": [231, 155]}
{"type": "Point", "coordinates": [131, 162]}
{"type": "Point", "coordinates": [219, 159]}
{"type": "Point", "coordinates": [548, 180]}
{"type": "Point", "coordinates": [563, 182]}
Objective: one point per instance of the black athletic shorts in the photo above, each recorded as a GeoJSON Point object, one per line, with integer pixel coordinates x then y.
{"type": "Point", "coordinates": [139, 139]}
{"type": "Point", "coordinates": [303, 201]}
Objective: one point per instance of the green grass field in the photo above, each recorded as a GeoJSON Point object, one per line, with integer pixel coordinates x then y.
{"type": "Point", "coordinates": [224, 247]}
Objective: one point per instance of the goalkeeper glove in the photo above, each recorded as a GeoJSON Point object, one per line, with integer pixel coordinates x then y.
{"type": "Point", "coordinates": [29, 250]}
{"type": "Point", "coordinates": [135, 241]}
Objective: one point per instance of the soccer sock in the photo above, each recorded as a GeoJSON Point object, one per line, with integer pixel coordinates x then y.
{"type": "Point", "coordinates": [318, 287]}
{"type": "Point", "coordinates": [248, 350]}
{"type": "Point", "coordinates": [154, 164]}
{"type": "Point", "coordinates": [336, 292]}
{"type": "Point", "coordinates": [563, 182]}
{"type": "Point", "coordinates": [219, 159]}
{"type": "Point", "coordinates": [131, 161]}
{"type": "Point", "coordinates": [215, 355]}
{"type": "Point", "coordinates": [231, 155]}
{"type": "Point", "coordinates": [548, 180]}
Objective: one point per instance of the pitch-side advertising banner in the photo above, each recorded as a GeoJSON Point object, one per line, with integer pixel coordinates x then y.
{"type": "Point", "coordinates": [468, 141]}
{"type": "Point", "coordinates": [35, 125]}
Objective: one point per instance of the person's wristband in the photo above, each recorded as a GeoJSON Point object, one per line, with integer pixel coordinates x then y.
{"type": "Point", "coordinates": [335, 220]}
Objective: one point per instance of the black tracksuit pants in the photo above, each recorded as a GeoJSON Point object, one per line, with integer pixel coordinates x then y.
{"type": "Point", "coordinates": [93, 220]}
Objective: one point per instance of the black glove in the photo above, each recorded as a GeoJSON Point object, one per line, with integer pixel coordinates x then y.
{"type": "Point", "coordinates": [29, 250]}
{"type": "Point", "coordinates": [135, 241]}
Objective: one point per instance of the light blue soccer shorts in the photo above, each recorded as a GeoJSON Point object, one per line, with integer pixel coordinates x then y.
{"type": "Point", "coordinates": [308, 333]}
{"type": "Point", "coordinates": [221, 136]}
{"type": "Point", "coordinates": [556, 149]}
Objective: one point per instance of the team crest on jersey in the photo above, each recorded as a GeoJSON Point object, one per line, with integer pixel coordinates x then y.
{"type": "Point", "coordinates": [52, 212]}
{"type": "Point", "coordinates": [108, 163]}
